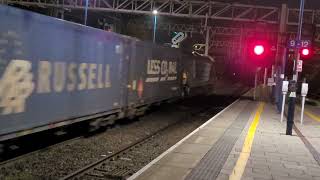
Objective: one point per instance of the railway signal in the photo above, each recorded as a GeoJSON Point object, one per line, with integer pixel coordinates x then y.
{"type": "Point", "coordinates": [306, 53]}
{"type": "Point", "coordinates": [259, 53]}
{"type": "Point", "coordinates": [258, 50]}
{"type": "Point", "coordinates": [304, 47]}
{"type": "Point", "coordinates": [292, 84]}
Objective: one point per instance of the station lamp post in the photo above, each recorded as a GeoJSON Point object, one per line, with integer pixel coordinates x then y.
{"type": "Point", "coordinates": [154, 12]}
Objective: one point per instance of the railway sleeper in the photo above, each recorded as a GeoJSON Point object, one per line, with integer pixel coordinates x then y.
{"type": "Point", "coordinates": [116, 173]}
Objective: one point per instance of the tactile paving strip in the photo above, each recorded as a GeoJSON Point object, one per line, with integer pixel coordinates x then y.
{"type": "Point", "coordinates": [211, 164]}
{"type": "Point", "coordinates": [308, 145]}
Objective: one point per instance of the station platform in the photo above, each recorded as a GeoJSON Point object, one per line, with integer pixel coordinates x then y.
{"type": "Point", "coordinates": [244, 141]}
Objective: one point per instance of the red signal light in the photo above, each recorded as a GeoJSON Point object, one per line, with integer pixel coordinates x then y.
{"type": "Point", "coordinates": [305, 52]}
{"type": "Point", "coordinates": [258, 50]}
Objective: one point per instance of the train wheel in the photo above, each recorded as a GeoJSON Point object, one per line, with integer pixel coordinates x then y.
{"type": "Point", "coordinates": [94, 125]}
{"type": "Point", "coordinates": [186, 91]}
{"type": "Point", "coordinates": [183, 94]}
{"type": "Point", "coordinates": [1, 149]}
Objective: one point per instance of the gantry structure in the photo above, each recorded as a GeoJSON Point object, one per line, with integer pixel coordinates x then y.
{"type": "Point", "coordinates": [192, 9]}
{"type": "Point", "coordinates": [180, 8]}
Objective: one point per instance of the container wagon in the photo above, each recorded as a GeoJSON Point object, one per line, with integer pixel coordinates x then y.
{"type": "Point", "coordinates": [54, 73]}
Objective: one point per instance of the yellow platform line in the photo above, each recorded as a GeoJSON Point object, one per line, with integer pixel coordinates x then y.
{"type": "Point", "coordinates": [310, 115]}
{"type": "Point", "coordinates": [246, 149]}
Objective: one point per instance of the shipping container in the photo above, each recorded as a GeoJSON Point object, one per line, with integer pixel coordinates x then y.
{"type": "Point", "coordinates": [55, 73]}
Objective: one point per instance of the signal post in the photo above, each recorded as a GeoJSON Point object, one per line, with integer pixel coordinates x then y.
{"type": "Point", "coordinates": [302, 50]}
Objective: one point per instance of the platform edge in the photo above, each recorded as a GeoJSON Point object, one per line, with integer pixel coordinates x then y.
{"type": "Point", "coordinates": [135, 175]}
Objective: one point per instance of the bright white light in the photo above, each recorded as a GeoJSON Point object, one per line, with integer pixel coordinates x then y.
{"type": "Point", "coordinates": [258, 49]}
{"type": "Point", "coordinates": [155, 12]}
{"type": "Point", "coordinates": [305, 52]}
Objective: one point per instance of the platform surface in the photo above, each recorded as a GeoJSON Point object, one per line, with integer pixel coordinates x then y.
{"type": "Point", "coordinates": [244, 141]}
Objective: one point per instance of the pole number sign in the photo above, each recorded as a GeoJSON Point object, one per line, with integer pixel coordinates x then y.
{"type": "Point", "coordinates": [299, 65]}
{"type": "Point", "coordinates": [299, 44]}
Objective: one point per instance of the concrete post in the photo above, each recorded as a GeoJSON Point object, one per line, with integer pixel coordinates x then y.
{"type": "Point", "coordinates": [206, 52]}
{"type": "Point", "coordinates": [281, 55]}
{"type": "Point", "coordinates": [265, 77]}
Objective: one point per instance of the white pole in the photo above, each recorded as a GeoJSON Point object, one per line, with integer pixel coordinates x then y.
{"type": "Point", "coordinates": [255, 85]}
{"type": "Point", "coordinates": [283, 103]}
{"type": "Point", "coordinates": [302, 108]}
{"type": "Point", "coordinates": [265, 77]}
{"type": "Point", "coordinates": [272, 71]}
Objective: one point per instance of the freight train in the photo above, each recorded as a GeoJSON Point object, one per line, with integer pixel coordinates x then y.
{"type": "Point", "coordinates": [55, 73]}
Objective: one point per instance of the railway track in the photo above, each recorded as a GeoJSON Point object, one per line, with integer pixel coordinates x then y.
{"type": "Point", "coordinates": [101, 157]}
{"type": "Point", "coordinates": [100, 169]}
{"type": "Point", "coordinates": [16, 158]}
{"type": "Point", "coordinates": [120, 165]}
{"type": "Point", "coordinates": [315, 96]}
{"type": "Point", "coordinates": [23, 147]}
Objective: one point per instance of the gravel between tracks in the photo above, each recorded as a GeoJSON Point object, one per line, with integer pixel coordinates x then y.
{"type": "Point", "coordinates": [60, 161]}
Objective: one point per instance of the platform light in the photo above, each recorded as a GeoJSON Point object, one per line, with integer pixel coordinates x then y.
{"type": "Point", "coordinates": [258, 50]}
{"type": "Point", "coordinates": [155, 12]}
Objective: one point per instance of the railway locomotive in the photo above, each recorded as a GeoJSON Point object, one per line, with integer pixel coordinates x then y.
{"type": "Point", "coordinates": [54, 73]}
